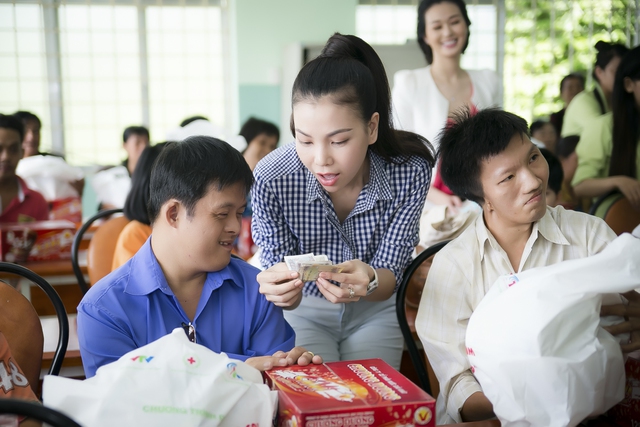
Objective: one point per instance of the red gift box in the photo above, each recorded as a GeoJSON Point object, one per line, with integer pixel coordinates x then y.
{"type": "Point", "coordinates": [627, 412]}
{"type": "Point", "coordinates": [37, 241]}
{"type": "Point", "coordinates": [356, 393]}
{"type": "Point", "coordinates": [69, 209]}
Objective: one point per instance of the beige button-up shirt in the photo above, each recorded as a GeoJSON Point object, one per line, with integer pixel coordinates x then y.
{"type": "Point", "coordinates": [462, 273]}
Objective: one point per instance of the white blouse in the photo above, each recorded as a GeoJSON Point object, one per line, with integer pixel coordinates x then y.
{"type": "Point", "coordinates": [420, 107]}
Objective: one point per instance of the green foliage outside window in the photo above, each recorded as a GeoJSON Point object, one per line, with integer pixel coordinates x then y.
{"type": "Point", "coordinates": [546, 40]}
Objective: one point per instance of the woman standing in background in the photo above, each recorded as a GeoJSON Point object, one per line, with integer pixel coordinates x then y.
{"type": "Point", "coordinates": [424, 98]}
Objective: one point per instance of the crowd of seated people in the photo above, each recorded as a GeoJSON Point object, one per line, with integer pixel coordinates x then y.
{"type": "Point", "coordinates": [365, 165]}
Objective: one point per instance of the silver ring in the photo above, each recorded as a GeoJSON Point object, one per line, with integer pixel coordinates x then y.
{"type": "Point", "coordinates": [351, 292]}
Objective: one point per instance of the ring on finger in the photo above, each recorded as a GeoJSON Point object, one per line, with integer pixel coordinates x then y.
{"type": "Point", "coordinates": [311, 353]}
{"type": "Point", "coordinates": [351, 292]}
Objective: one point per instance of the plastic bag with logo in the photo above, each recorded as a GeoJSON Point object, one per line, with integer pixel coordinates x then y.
{"type": "Point", "coordinates": [535, 343]}
{"type": "Point", "coordinates": [169, 382]}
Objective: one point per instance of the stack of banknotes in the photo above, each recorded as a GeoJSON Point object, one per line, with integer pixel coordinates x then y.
{"type": "Point", "coordinates": [310, 266]}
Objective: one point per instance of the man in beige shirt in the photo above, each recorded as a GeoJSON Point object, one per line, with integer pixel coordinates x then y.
{"type": "Point", "coordinates": [489, 159]}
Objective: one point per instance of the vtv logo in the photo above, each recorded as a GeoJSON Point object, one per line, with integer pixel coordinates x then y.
{"type": "Point", "coordinates": [142, 359]}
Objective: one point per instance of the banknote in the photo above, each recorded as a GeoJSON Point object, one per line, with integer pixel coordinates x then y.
{"type": "Point", "coordinates": [311, 272]}
{"type": "Point", "coordinates": [293, 262]}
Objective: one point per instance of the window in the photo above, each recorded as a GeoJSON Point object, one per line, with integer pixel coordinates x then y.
{"type": "Point", "coordinates": [395, 22]}
{"type": "Point", "coordinates": [110, 65]}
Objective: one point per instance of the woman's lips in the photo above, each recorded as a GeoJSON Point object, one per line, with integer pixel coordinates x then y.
{"type": "Point", "coordinates": [327, 179]}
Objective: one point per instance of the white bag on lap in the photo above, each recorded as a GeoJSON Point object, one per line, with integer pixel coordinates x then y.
{"type": "Point", "coordinates": [536, 346]}
{"type": "Point", "coordinates": [169, 382]}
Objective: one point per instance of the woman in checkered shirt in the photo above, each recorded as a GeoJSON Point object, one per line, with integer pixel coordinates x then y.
{"type": "Point", "coordinates": [350, 187]}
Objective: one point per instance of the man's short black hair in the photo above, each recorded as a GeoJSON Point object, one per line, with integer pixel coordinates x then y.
{"type": "Point", "coordinates": [12, 122]}
{"type": "Point", "coordinates": [556, 175]}
{"type": "Point", "coordinates": [470, 139]}
{"type": "Point", "coordinates": [27, 116]}
{"type": "Point", "coordinates": [537, 125]}
{"type": "Point", "coordinates": [135, 130]}
{"type": "Point", "coordinates": [570, 76]}
{"type": "Point", "coordinates": [192, 119]}
{"type": "Point", "coordinates": [254, 127]}
{"type": "Point", "coordinates": [186, 170]}
{"type": "Point", "coordinates": [567, 145]}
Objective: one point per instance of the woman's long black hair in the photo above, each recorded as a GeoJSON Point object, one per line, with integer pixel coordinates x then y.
{"type": "Point", "coordinates": [626, 118]}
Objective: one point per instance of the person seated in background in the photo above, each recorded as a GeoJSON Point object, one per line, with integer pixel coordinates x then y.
{"type": "Point", "coordinates": [566, 153]}
{"type": "Point", "coordinates": [262, 138]}
{"type": "Point", "coordinates": [18, 203]}
{"type": "Point", "coordinates": [31, 141]}
{"type": "Point", "coordinates": [136, 232]}
{"type": "Point", "coordinates": [544, 135]}
{"type": "Point", "coordinates": [556, 177]}
{"type": "Point", "coordinates": [74, 177]}
{"type": "Point", "coordinates": [134, 140]}
{"type": "Point", "coordinates": [609, 148]}
{"type": "Point", "coordinates": [15, 384]}
{"type": "Point", "coordinates": [570, 85]}
{"type": "Point", "coordinates": [112, 183]}
{"type": "Point", "coordinates": [489, 158]}
{"type": "Point", "coordinates": [184, 275]}
{"type": "Point", "coordinates": [588, 105]}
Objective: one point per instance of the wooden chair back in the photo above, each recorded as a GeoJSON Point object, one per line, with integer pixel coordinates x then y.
{"type": "Point", "coordinates": [102, 247]}
{"type": "Point", "coordinates": [621, 217]}
{"type": "Point", "coordinates": [21, 326]}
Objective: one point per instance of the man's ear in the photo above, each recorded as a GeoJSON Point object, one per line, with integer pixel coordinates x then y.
{"type": "Point", "coordinates": [170, 212]}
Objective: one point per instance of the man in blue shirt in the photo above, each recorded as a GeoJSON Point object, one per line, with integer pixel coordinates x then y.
{"type": "Point", "coordinates": [184, 275]}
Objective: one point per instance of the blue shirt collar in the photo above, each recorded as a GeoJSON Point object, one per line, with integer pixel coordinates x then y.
{"type": "Point", "coordinates": [147, 275]}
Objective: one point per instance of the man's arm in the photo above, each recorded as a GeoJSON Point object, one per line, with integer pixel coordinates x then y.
{"type": "Point", "coordinates": [441, 324]}
{"type": "Point", "coordinates": [100, 337]}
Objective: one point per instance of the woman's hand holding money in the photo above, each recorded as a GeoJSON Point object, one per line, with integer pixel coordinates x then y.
{"type": "Point", "coordinates": [281, 286]}
{"type": "Point", "coordinates": [353, 279]}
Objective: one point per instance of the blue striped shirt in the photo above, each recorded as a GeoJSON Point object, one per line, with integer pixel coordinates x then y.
{"type": "Point", "coordinates": [293, 214]}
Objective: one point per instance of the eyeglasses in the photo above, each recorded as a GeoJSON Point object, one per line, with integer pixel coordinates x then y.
{"type": "Point", "coordinates": [190, 330]}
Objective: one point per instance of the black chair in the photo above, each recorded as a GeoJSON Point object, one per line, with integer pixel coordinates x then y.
{"type": "Point", "coordinates": [401, 311]}
{"type": "Point", "coordinates": [75, 248]}
{"type": "Point", "coordinates": [36, 411]}
{"type": "Point", "coordinates": [61, 312]}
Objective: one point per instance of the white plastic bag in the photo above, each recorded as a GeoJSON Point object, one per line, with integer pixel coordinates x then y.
{"type": "Point", "coordinates": [536, 346]}
{"type": "Point", "coordinates": [50, 176]}
{"type": "Point", "coordinates": [112, 186]}
{"type": "Point", "coordinates": [169, 382]}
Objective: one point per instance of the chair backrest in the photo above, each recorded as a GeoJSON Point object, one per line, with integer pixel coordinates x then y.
{"type": "Point", "coordinates": [616, 211]}
{"type": "Point", "coordinates": [20, 325]}
{"type": "Point", "coordinates": [102, 247]}
{"type": "Point", "coordinates": [621, 216]}
{"type": "Point", "coordinates": [404, 311]}
{"type": "Point", "coordinates": [75, 249]}
{"type": "Point", "coordinates": [61, 313]}
{"type": "Point", "coordinates": [36, 411]}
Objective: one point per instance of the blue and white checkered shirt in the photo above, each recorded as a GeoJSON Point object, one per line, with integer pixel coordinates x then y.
{"type": "Point", "coordinates": [293, 214]}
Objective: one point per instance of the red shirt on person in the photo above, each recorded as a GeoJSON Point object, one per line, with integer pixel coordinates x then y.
{"type": "Point", "coordinates": [28, 205]}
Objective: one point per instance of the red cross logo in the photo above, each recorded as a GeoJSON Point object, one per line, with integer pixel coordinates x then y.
{"type": "Point", "coordinates": [191, 360]}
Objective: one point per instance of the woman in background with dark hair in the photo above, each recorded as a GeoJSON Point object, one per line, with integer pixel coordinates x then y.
{"type": "Point", "coordinates": [608, 153]}
{"type": "Point", "coordinates": [589, 104]}
{"type": "Point", "coordinates": [424, 98]}
{"type": "Point", "coordinates": [134, 234]}
{"type": "Point", "coordinates": [351, 187]}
